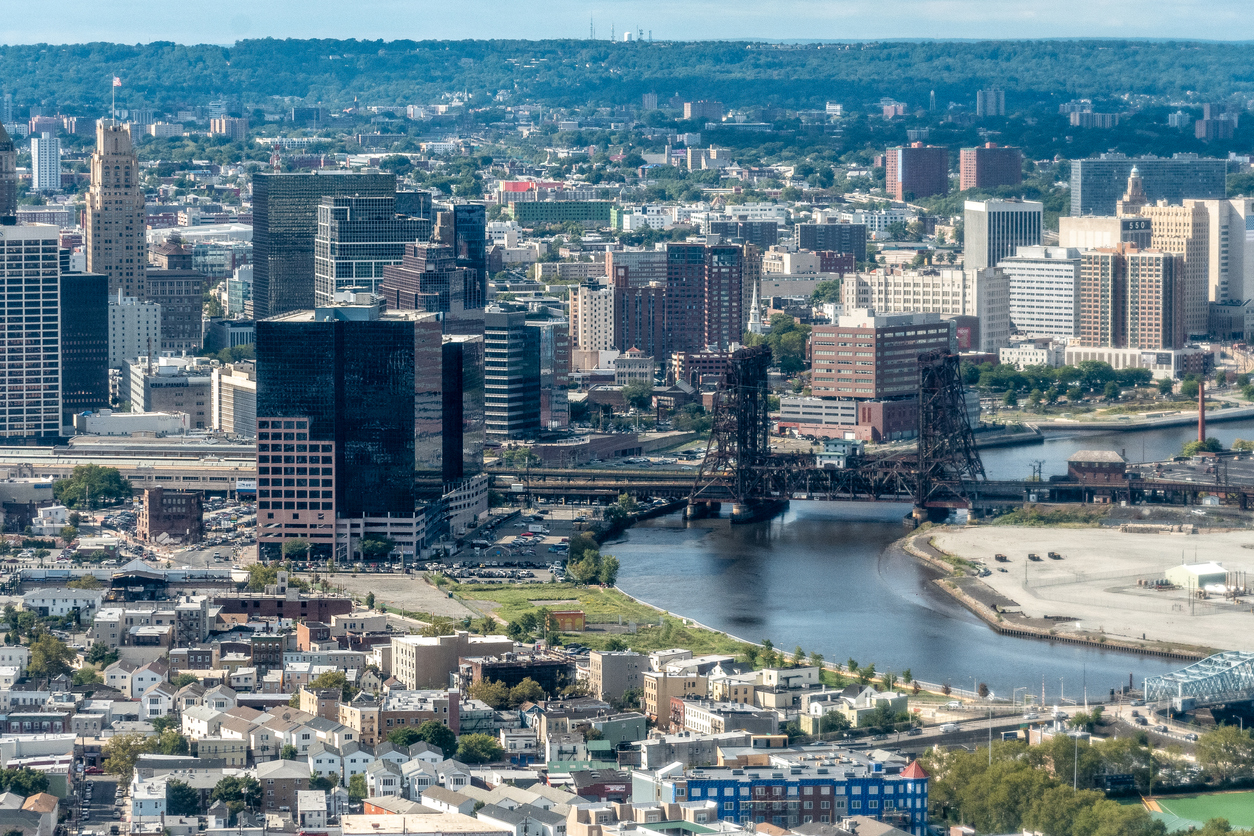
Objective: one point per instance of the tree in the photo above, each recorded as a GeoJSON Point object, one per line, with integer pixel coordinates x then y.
{"type": "Point", "coordinates": [89, 486]}
{"type": "Point", "coordinates": [526, 691]}
{"type": "Point", "coordinates": [833, 721]}
{"type": "Point", "coordinates": [1226, 753]}
{"type": "Point", "coordinates": [170, 742]}
{"type": "Point", "coordinates": [370, 600]}
{"type": "Point", "coordinates": [23, 781]}
{"type": "Point", "coordinates": [68, 534]}
{"type": "Point", "coordinates": [490, 691]}
{"type": "Point", "coordinates": [296, 547]}
{"type": "Point", "coordinates": [983, 691]}
{"type": "Point", "coordinates": [436, 734]}
{"type": "Point", "coordinates": [750, 654]}
{"type": "Point", "coordinates": [478, 748]}
{"type": "Point", "coordinates": [1165, 386]}
{"type": "Point", "coordinates": [86, 676]}
{"type": "Point", "coordinates": [608, 571]}
{"type": "Point", "coordinates": [85, 582]}
{"type": "Point", "coordinates": [1111, 392]}
{"type": "Point", "coordinates": [404, 737]}
{"type": "Point", "coordinates": [334, 680]}
{"type": "Point", "coordinates": [183, 680]}
{"type": "Point", "coordinates": [1210, 445]}
{"type": "Point", "coordinates": [323, 783]}
{"type": "Point", "coordinates": [261, 575]}
{"type": "Point", "coordinates": [1189, 388]}
{"type": "Point", "coordinates": [1241, 445]}
{"type": "Point", "coordinates": [181, 799]}
{"type": "Point", "coordinates": [374, 548]}
{"type": "Point", "coordinates": [1075, 394]}
{"type": "Point", "coordinates": [865, 675]}
{"type": "Point", "coordinates": [825, 292]}
{"type": "Point", "coordinates": [1010, 399]}
{"type": "Point", "coordinates": [638, 394]}
{"type": "Point", "coordinates": [49, 657]}
{"type": "Point", "coordinates": [101, 654]}
{"type": "Point", "coordinates": [357, 787]}
{"type": "Point", "coordinates": [121, 751]}
{"type": "Point", "coordinates": [242, 789]}
{"type": "Point", "coordinates": [288, 752]}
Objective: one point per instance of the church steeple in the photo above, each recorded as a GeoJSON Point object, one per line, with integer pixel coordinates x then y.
{"type": "Point", "coordinates": [755, 314]}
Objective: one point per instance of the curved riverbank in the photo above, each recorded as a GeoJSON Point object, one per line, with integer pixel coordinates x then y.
{"type": "Point", "coordinates": [1015, 624]}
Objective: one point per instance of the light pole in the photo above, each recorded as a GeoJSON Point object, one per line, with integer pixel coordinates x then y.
{"type": "Point", "coordinates": [1015, 694]}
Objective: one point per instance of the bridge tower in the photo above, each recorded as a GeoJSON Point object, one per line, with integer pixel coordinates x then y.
{"type": "Point", "coordinates": [946, 457]}
{"type": "Point", "coordinates": [739, 443]}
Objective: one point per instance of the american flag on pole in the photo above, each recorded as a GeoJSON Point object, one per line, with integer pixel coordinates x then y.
{"type": "Point", "coordinates": [117, 82]}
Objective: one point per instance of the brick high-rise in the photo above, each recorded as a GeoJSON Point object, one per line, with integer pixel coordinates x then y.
{"type": "Point", "coordinates": [916, 170]}
{"type": "Point", "coordinates": [1131, 298]}
{"type": "Point", "coordinates": [114, 226]}
{"type": "Point", "coordinates": [989, 166]}
{"type": "Point", "coordinates": [704, 296]}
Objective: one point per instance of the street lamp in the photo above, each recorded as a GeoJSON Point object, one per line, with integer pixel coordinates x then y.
{"type": "Point", "coordinates": [1015, 694]}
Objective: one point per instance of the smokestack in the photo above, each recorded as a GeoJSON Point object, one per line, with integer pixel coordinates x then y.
{"type": "Point", "coordinates": [1201, 410]}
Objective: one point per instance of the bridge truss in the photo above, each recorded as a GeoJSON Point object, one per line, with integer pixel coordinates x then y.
{"type": "Point", "coordinates": [1224, 677]}
{"type": "Point", "coordinates": [739, 466]}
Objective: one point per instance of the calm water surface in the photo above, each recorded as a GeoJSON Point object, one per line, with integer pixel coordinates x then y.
{"type": "Point", "coordinates": [820, 576]}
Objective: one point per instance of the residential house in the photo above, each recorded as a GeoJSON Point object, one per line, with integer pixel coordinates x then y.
{"type": "Point", "coordinates": [448, 801]}
{"type": "Point", "coordinates": [524, 820]}
{"type": "Point", "coordinates": [280, 781]}
{"type": "Point", "coordinates": [311, 810]}
{"type": "Point", "coordinates": [384, 778]}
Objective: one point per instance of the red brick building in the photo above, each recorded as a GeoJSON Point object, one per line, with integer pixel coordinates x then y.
{"type": "Point", "coordinates": [178, 515]}
{"type": "Point", "coordinates": [989, 166]}
{"type": "Point", "coordinates": [916, 170]}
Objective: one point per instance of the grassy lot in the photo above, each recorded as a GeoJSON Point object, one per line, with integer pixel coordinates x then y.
{"type": "Point", "coordinates": [599, 605]}
{"type": "Point", "coordinates": [1071, 517]}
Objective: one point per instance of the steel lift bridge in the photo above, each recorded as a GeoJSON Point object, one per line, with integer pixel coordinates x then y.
{"type": "Point", "coordinates": [1222, 678]}
{"type": "Point", "coordinates": [942, 472]}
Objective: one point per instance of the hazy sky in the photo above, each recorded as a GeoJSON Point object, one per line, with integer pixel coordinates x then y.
{"type": "Point", "coordinates": [224, 21]}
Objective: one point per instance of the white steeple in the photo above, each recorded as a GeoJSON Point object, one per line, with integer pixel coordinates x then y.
{"type": "Point", "coordinates": [755, 314]}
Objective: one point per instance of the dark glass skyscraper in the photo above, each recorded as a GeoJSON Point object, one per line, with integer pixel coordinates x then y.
{"type": "Point", "coordinates": [369, 389]}
{"type": "Point", "coordinates": [470, 238]}
{"type": "Point", "coordinates": [84, 343]}
{"type": "Point", "coordinates": [285, 222]}
{"type": "Point", "coordinates": [8, 179]}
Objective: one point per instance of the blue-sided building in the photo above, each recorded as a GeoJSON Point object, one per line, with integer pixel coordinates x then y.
{"type": "Point", "coordinates": [797, 788]}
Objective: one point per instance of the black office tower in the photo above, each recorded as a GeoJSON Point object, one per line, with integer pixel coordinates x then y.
{"type": "Point", "coordinates": [369, 387]}
{"type": "Point", "coordinates": [285, 222]}
{"type": "Point", "coordinates": [84, 343]}
{"type": "Point", "coordinates": [463, 407]}
{"type": "Point", "coordinates": [470, 238]}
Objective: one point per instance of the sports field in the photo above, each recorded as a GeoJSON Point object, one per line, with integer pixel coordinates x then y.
{"type": "Point", "coordinates": [1180, 812]}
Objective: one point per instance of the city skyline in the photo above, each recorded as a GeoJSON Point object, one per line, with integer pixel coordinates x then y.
{"type": "Point", "coordinates": [804, 20]}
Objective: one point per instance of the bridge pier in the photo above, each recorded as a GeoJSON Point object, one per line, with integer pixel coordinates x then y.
{"type": "Point", "coordinates": [747, 512]}
{"type": "Point", "coordinates": [697, 510]}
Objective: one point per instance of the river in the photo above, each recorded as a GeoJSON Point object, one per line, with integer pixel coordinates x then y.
{"type": "Point", "coordinates": [821, 576]}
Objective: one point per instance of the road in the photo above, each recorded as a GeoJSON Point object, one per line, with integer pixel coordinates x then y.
{"type": "Point", "coordinates": [97, 795]}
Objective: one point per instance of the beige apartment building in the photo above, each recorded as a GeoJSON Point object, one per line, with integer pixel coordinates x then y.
{"type": "Point", "coordinates": [613, 673]}
{"type": "Point", "coordinates": [660, 686]}
{"type": "Point", "coordinates": [592, 317]}
{"type": "Point", "coordinates": [426, 661]}
{"type": "Point", "coordinates": [1185, 231]}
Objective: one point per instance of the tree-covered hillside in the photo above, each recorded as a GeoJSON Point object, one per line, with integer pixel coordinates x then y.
{"type": "Point", "coordinates": [579, 73]}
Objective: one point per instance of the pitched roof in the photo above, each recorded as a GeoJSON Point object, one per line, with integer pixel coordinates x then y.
{"type": "Point", "coordinates": [41, 802]}
{"type": "Point", "coordinates": [914, 771]}
{"type": "Point", "coordinates": [446, 796]}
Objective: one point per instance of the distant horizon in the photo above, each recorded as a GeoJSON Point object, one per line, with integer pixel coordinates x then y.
{"type": "Point", "coordinates": [197, 22]}
{"type": "Point", "coordinates": [778, 41]}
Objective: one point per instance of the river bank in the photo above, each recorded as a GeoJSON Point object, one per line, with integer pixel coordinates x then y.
{"type": "Point", "coordinates": [1004, 616]}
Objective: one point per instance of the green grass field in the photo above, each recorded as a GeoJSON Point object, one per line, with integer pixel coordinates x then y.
{"type": "Point", "coordinates": [1236, 807]}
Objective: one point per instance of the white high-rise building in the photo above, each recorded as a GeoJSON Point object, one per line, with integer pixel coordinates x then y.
{"type": "Point", "coordinates": [1230, 248]}
{"type": "Point", "coordinates": [1044, 290]}
{"type": "Point", "coordinates": [592, 317]}
{"type": "Point", "coordinates": [980, 293]}
{"type": "Point", "coordinates": [234, 393]}
{"type": "Point", "coordinates": [993, 228]}
{"type": "Point", "coordinates": [134, 329]}
{"type": "Point", "coordinates": [45, 163]}
{"type": "Point", "coordinates": [30, 368]}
